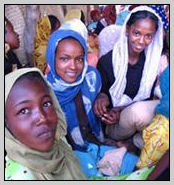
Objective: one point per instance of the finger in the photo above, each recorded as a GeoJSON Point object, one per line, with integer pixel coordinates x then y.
{"type": "Point", "coordinates": [101, 108]}
{"type": "Point", "coordinates": [96, 109]}
{"type": "Point", "coordinates": [108, 119]}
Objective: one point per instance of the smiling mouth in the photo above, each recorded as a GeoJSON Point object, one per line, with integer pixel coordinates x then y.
{"type": "Point", "coordinates": [71, 74]}
{"type": "Point", "coordinates": [139, 48]}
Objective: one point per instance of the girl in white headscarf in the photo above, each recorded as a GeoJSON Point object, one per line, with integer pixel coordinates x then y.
{"type": "Point", "coordinates": [129, 74]}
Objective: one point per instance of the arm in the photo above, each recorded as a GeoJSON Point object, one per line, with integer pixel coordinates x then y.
{"type": "Point", "coordinates": [101, 104]}
{"type": "Point", "coordinates": [107, 78]}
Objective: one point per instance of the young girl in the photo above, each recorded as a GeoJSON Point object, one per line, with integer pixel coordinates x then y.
{"type": "Point", "coordinates": [34, 131]}
{"type": "Point", "coordinates": [129, 75]}
{"type": "Point", "coordinates": [11, 42]}
{"type": "Point", "coordinates": [76, 85]}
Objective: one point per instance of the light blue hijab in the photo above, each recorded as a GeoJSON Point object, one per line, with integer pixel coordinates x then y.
{"type": "Point", "coordinates": [88, 82]}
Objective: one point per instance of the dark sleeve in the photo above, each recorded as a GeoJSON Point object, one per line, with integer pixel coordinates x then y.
{"type": "Point", "coordinates": [16, 60]}
{"type": "Point", "coordinates": [152, 91]}
{"type": "Point", "coordinates": [7, 66]}
{"type": "Point", "coordinates": [99, 28]}
{"type": "Point", "coordinates": [106, 71]}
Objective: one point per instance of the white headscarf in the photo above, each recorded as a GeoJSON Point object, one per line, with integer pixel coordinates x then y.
{"type": "Point", "coordinates": [108, 37]}
{"type": "Point", "coordinates": [120, 64]}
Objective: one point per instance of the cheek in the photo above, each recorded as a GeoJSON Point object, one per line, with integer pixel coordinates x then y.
{"type": "Point", "coordinates": [20, 128]}
{"type": "Point", "coordinates": [59, 67]}
{"type": "Point", "coordinates": [148, 43]}
{"type": "Point", "coordinates": [80, 67]}
{"type": "Point", "coordinates": [52, 116]}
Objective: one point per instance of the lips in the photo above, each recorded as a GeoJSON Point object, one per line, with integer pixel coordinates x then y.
{"type": "Point", "coordinates": [45, 133]}
{"type": "Point", "coordinates": [71, 74]}
{"type": "Point", "coordinates": [139, 48]}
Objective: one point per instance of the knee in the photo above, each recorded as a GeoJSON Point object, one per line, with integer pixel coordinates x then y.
{"type": "Point", "coordinates": [138, 115]}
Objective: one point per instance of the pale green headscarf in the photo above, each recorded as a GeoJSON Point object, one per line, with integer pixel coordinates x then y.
{"type": "Point", "coordinates": [57, 164]}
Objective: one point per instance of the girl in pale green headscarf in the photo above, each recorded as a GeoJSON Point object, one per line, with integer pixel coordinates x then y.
{"type": "Point", "coordinates": [34, 131]}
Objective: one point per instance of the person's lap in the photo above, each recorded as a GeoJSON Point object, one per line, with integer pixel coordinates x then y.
{"type": "Point", "coordinates": [132, 119]}
{"type": "Point", "coordinates": [88, 160]}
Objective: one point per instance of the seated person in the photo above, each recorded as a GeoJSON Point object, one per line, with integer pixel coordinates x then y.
{"type": "Point", "coordinates": [35, 131]}
{"type": "Point", "coordinates": [11, 42]}
{"type": "Point", "coordinates": [156, 135]}
{"type": "Point", "coordinates": [76, 85]}
{"type": "Point", "coordinates": [129, 74]}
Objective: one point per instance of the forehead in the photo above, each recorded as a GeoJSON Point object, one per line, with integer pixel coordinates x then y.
{"type": "Point", "coordinates": [144, 24]}
{"type": "Point", "coordinates": [25, 87]}
{"type": "Point", "coordinates": [69, 45]}
{"type": "Point", "coordinates": [69, 41]}
{"type": "Point", "coordinates": [144, 21]}
{"type": "Point", "coordinates": [8, 25]}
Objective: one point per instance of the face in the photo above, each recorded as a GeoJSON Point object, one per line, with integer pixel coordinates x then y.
{"type": "Point", "coordinates": [140, 35]}
{"type": "Point", "coordinates": [30, 115]}
{"type": "Point", "coordinates": [96, 17]}
{"type": "Point", "coordinates": [11, 37]}
{"type": "Point", "coordinates": [69, 60]}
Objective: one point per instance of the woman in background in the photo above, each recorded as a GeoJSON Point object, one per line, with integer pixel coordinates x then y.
{"type": "Point", "coordinates": [46, 25]}
{"type": "Point", "coordinates": [11, 42]}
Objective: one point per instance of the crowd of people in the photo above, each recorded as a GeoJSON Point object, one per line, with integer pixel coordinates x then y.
{"type": "Point", "coordinates": [95, 104]}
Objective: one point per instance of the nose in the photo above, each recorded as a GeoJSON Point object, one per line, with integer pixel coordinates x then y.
{"type": "Point", "coordinates": [40, 117]}
{"type": "Point", "coordinates": [142, 40]}
{"type": "Point", "coordinates": [17, 35]}
{"type": "Point", "coordinates": [72, 64]}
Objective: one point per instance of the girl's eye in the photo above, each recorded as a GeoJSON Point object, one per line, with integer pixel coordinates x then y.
{"type": "Point", "coordinates": [24, 111]}
{"type": "Point", "coordinates": [149, 37]}
{"type": "Point", "coordinates": [48, 104]}
{"type": "Point", "coordinates": [80, 60]}
{"type": "Point", "coordinates": [64, 59]}
{"type": "Point", "coordinates": [136, 33]}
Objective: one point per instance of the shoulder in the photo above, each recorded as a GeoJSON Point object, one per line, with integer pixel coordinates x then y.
{"type": "Point", "coordinates": [93, 77]}
{"type": "Point", "coordinates": [106, 58]}
{"type": "Point", "coordinates": [16, 171]}
{"type": "Point", "coordinates": [93, 70]}
{"type": "Point", "coordinates": [105, 61]}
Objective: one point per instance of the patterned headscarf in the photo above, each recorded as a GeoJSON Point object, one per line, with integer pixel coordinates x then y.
{"type": "Point", "coordinates": [43, 31]}
{"type": "Point", "coordinates": [159, 9]}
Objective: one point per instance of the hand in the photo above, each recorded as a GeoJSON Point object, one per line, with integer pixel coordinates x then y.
{"type": "Point", "coordinates": [112, 116]}
{"type": "Point", "coordinates": [101, 103]}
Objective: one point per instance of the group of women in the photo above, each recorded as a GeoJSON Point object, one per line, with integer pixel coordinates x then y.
{"type": "Point", "coordinates": [67, 124]}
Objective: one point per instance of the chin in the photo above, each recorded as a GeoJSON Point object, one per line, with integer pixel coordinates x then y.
{"type": "Point", "coordinates": [70, 81]}
{"type": "Point", "coordinates": [45, 148]}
